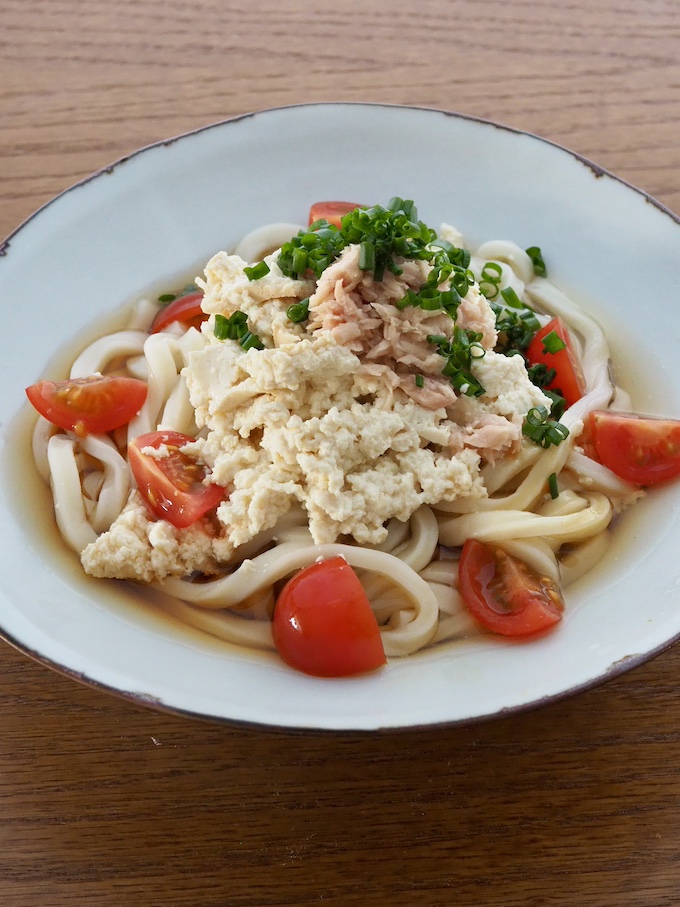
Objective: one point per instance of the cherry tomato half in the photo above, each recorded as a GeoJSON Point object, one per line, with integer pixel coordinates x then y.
{"type": "Point", "coordinates": [186, 309]}
{"type": "Point", "coordinates": [504, 594]}
{"type": "Point", "coordinates": [640, 449]}
{"type": "Point", "coordinates": [569, 378]}
{"type": "Point", "coordinates": [174, 485]}
{"type": "Point", "coordinates": [333, 212]}
{"type": "Point", "coordinates": [323, 623]}
{"type": "Point", "coordinates": [95, 404]}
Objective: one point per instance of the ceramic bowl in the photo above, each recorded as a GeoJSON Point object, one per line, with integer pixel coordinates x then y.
{"type": "Point", "coordinates": [159, 214]}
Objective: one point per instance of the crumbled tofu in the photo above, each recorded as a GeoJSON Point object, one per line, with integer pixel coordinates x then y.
{"type": "Point", "coordinates": [508, 390]}
{"type": "Point", "coordinates": [264, 301]}
{"type": "Point", "coordinates": [137, 547]}
{"type": "Point", "coordinates": [299, 433]}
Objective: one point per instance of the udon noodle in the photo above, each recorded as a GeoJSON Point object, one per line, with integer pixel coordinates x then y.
{"type": "Point", "coordinates": [411, 576]}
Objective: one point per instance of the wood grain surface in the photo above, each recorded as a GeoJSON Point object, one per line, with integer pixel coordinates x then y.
{"type": "Point", "coordinates": [106, 804]}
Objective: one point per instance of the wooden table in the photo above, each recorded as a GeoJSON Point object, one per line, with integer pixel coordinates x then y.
{"type": "Point", "coordinates": [106, 804]}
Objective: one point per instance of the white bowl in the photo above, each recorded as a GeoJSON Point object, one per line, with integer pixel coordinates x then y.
{"type": "Point", "coordinates": [162, 212]}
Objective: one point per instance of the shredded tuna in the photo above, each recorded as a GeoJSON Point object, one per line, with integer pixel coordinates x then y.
{"type": "Point", "coordinates": [361, 315]}
{"type": "Point", "coordinates": [489, 434]}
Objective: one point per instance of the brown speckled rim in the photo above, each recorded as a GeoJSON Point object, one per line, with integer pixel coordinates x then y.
{"type": "Point", "coordinates": [619, 667]}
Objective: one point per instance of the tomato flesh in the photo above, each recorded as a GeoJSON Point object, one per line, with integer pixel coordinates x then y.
{"type": "Point", "coordinates": [640, 449]}
{"type": "Point", "coordinates": [323, 623]}
{"type": "Point", "coordinates": [503, 594]}
{"type": "Point", "coordinates": [569, 380]}
{"type": "Point", "coordinates": [186, 309]}
{"type": "Point", "coordinates": [333, 212]}
{"type": "Point", "coordinates": [94, 405]}
{"type": "Point", "coordinates": [173, 486]}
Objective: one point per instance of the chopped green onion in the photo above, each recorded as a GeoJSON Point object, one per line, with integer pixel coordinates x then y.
{"type": "Point", "coordinates": [516, 328]}
{"type": "Point", "coordinates": [167, 297]}
{"type": "Point", "coordinates": [456, 255]}
{"type": "Point", "coordinates": [536, 257]}
{"type": "Point", "coordinates": [490, 277]}
{"type": "Point", "coordinates": [420, 381]}
{"type": "Point", "coordinates": [512, 299]}
{"type": "Point", "coordinates": [257, 271]}
{"type": "Point", "coordinates": [231, 328]}
{"type": "Point", "coordinates": [540, 375]}
{"type": "Point", "coordinates": [492, 272]}
{"type": "Point", "coordinates": [553, 343]}
{"type": "Point", "coordinates": [552, 486]}
{"type": "Point", "coordinates": [298, 311]}
{"type": "Point", "coordinates": [251, 341]}
{"type": "Point", "coordinates": [367, 256]}
{"type": "Point", "coordinates": [459, 353]}
{"type": "Point", "coordinates": [299, 263]}
{"type": "Point", "coordinates": [542, 430]}
{"type": "Point", "coordinates": [558, 404]}
{"type": "Point", "coordinates": [236, 328]}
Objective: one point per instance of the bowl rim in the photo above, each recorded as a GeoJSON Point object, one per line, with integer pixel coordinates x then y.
{"type": "Point", "coordinates": [108, 169]}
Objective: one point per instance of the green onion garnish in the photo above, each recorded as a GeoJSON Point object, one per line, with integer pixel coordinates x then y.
{"type": "Point", "coordinates": [558, 404]}
{"type": "Point", "coordinates": [230, 328]}
{"type": "Point", "coordinates": [298, 311]}
{"type": "Point", "coordinates": [251, 341]}
{"type": "Point", "coordinates": [553, 343]}
{"type": "Point", "coordinates": [542, 430]}
{"type": "Point", "coordinates": [167, 297]}
{"type": "Point", "coordinates": [459, 353]}
{"type": "Point", "coordinates": [516, 328]}
{"type": "Point", "coordinates": [552, 486]}
{"type": "Point", "coordinates": [536, 257]}
{"type": "Point", "coordinates": [420, 381]}
{"type": "Point", "coordinates": [490, 278]}
{"type": "Point", "coordinates": [257, 271]}
{"type": "Point", "coordinates": [236, 328]}
{"type": "Point", "coordinates": [367, 256]}
{"type": "Point", "coordinates": [540, 375]}
{"type": "Point", "coordinates": [512, 299]}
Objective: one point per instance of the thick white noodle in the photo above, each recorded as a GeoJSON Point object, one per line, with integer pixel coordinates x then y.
{"type": "Point", "coordinates": [178, 413]}
{"type": "Point", "coordinates": [142, 315]}
{"type": "Point", "coordinates": [163, 373]}
{"type": "Point", "coordinates": [529, 491]}
{"type": "Point", "coordinates": [42, 433]}
{"type": "Point", "coordinates": [598, 477]}
{"type": "Point", "coordinates": [117, 480]}
{"type": "Point", "coordinates": [94, 358]}
{"type": "Point", "coordinates": [255, 634]}
{"type": "Point", "coordinates": [519, 524]}
{"type": "Point", "coordinates": [509, 253]}
{"type": "Point", "coordinates": [69, 508]}
{"type": "Point", "coordinates": [581, 559]}
{"type": "Point", "coordinates": [416, 550]}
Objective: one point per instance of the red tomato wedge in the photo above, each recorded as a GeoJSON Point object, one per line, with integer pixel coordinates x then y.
{"type": "Point", "coordinates": [333, 212]}
{"type": "Point", "coordinates": [173, 486]}
{"type": "Point", "coordinates": [186, 309]}
{"type": "Point", "coordinates": [323, 623]}
{"type": "Point", "coordinates": [569, 378]}
{"type": "Point", "coordinates": [504, 594]}
{"type": "Point", "coordinates": [89, 405]}
{"type": "Point", "coordinates": [640, 449]}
